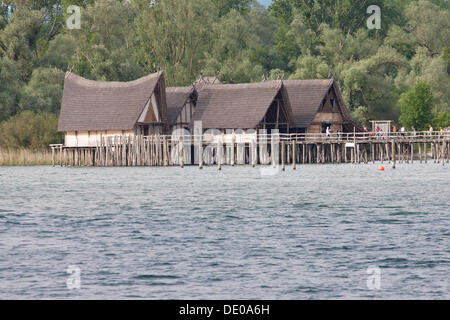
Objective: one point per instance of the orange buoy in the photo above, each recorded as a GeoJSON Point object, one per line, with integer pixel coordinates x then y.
{"type": "Point", "coordinates": [381, 168]}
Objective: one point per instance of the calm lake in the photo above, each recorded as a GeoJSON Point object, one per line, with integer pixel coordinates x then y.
{"type": "Point", "coordinates": [321, 232]}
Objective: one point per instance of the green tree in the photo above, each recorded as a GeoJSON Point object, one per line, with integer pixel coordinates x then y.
{"type": "Point", "coordinates": [416, 105]}
{"type": "Point", "coordinates": [225, 6]}
{"type": "Point", "coordinates": [446, 58]}
{"type": "Point", "coordinates": [105, 43]}
{"type": "Point", "coordinates": [231, 50]}
{"type": "Point", "coordinates": [19, 40]}
{"type": "Point", "coordinates": [10, 85]}
{"type": "Point", "coordinates": [29, 130]}
{"type": "Point", "coordinates": [442, 120]}
{"type": "Point", "coordinates": [429, 26]}
{"type": "Point", "coordinates": [44, 91]}
{"type": "Point", "coordinates": [60, 53]}
{"type": "Point", "coordinates": [174, 35]}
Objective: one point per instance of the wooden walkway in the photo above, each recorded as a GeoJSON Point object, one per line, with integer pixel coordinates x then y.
{"type": "Point", "coordinates": [261, 149]}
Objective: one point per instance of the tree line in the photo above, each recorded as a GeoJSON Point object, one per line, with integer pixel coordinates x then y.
{"type": "Point", "coordinates": [399, 72]}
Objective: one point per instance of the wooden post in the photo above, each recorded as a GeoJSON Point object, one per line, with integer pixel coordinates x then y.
{"type": "Point", "coordinates": [309, 153]}
{"type": "Point", "coordinates": [432, 152]}
{"type": "Point", "coordinates": [420, 153]}
{"type": "Point", "coordinates": [425, 155]}
{"type": "Point", "coordinates": [180, 152]}
{"type": "Point", "coordinates": [283, 168]}
{"type": "Point", "coordinates": [358, 153]}
{"type": "Point", "coordinates": [438, 152]}
{"type": "Point", "coordinates": [272, 150]}
{"type": "Point", "coordinates": [106, 152]}
{"type": "Point", "coordinates": [219, 153]}
{"type": "Point", "coordinates": [323, 152]}
{"type": "Point", "coordinates": [53, 156]}
{"type": "Point", "coordinates": [372, 152]}
{"type": "Point", "coordinates": [293, 156]}
{"type": "Point", "coordinates": [352, 155]}
{"type": "Point", "coordinates": [338, 153]}
{"type": "Point", "coordinates": [345, 153]}
{"type": "Point", "coordinates": [393, 154]}
{"type": "Point", "coordinates": [303, 153]}
{"type": "Point", "coordinates": [254, 153]}
{"type": "Point", "coordinates": [200, 151]}
{"type": "Point", "coordinates": [233, 141]}
{"type": "Point", "coordinates": [332, 152]}
{"type": "Point", "coordinates": [448, 152]}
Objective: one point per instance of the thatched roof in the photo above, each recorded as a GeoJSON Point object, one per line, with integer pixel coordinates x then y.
{"type": "Point", "coordinates": [94, 105]}
{"type": "Point", "coordinates": [202, 81]}
{"type": "Point", "coordinates": [176, 99]}
{"type": "Point", "coordinates": [230, 106]}
{"type": "Point", "coordinates": [306, 97]}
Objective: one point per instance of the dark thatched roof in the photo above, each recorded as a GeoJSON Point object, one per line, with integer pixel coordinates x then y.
{"type": "Point", "coordinates": [176, 99]}
{"type": "Point", "coordinates": [306, 97]}
{"type": "Point", "coordinates": [93, 105]}
{"type": "Point", "coordinates": [231, 106]}
{"type": "Point", "coordinates": [202, 81]}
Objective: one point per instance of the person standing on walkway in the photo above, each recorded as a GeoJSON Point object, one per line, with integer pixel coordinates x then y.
{"type": "Point", "coordinates": [430, 130]}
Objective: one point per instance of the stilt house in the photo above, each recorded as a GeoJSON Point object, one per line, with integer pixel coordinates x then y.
{"type": "Point", "coordinates": [92, 109]}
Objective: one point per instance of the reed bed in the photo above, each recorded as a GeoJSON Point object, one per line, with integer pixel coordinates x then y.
{"type": "Point", "coordinates": [25, 157]}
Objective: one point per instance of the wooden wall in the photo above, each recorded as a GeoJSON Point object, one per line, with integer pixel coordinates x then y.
{"type": "Point", "coordinates": [90, 138]}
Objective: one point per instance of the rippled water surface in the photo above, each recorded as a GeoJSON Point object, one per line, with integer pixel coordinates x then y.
{"type": "Point", "coordinates": [171, 233]}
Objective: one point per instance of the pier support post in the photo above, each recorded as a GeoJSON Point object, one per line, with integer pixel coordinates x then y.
{"type": "Point", "coordinates": [53, 156]}
{"type": "Point", "coordinates": [253, 151]}
{"type": "Point", "coordinates": [294, 166]}
{"type": "Point", "coordinates": [200, 152]}
{"type": "Point", "coordinates": [420, 153]}
{"type": "Point", "coordinates": [180, 152]}
{"type": "Point", "coordinates": [372, 151]}
{"type": "Point", "coordinates": [232, 155]}
{"type": "Point", "coordinates": [219, 153]}
{"type": "Point", "coordinates": [393, 154]}
{"type": "Point", "coordinates": [425, 152]}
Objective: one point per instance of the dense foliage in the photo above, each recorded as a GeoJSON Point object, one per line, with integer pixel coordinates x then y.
{"type": "Point", "coordinates": [379, 71]}
{"type": "Point", "coordinates": [29, 130]}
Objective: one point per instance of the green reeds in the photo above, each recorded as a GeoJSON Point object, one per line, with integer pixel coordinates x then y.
{"type": "Point", "coordinates": [25, 157]}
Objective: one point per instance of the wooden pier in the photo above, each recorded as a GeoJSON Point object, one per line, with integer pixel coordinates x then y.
{"type": "Point", "coordinates": [257, 149]}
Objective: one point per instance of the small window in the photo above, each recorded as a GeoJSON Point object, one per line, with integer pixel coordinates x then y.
{"type": "Point", "coordinates": [332, 103]}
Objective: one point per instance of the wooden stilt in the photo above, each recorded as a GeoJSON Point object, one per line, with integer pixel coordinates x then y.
{"type": "Point", "coordinates": [294, 166]}
{"type": "Point", "coordinates": [393, 154]}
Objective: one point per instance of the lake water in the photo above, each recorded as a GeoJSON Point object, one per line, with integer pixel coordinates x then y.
{"type": "Point", "coordinates": [172, 233]}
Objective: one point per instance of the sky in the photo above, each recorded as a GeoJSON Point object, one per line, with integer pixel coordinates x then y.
{"type": "Point", "coordinates": [265, 3]}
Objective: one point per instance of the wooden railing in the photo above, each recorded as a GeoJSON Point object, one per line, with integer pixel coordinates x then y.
{"type": "Point", "coordinates": [358, 137]}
